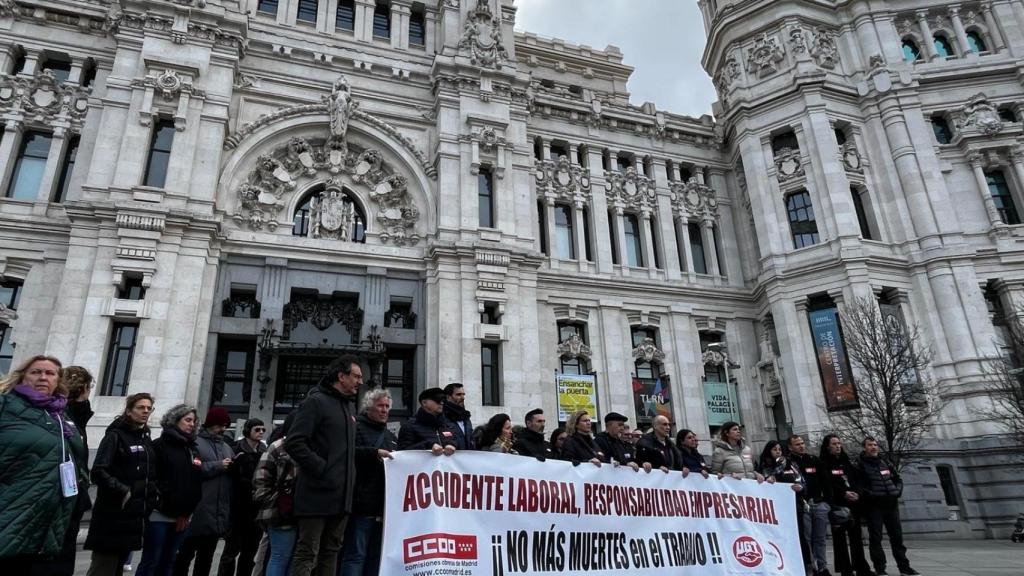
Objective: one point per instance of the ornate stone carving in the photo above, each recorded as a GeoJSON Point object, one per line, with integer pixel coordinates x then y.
{"type": "Point", "coordinates": [43, 98]}
{"type": "Point", "coordinates": [797, 40]}
{"type": "Point", "coordinates": [573, 347]}
{"type": "Point", "coordinates": [876, 62]}
{"type": "Point", "coordinates": [396, 215]}
{"type": "Point", "coordinates": [340, 107]}
{"type": "Point", "coordinates": [322, 314]}
{"type": "Point", "coordinates": [850, 157]}
{"type": "Point", "coordinates": [904, 26]}
{"type": "Point", "coordinates": [648, 351]}
{"type": "Point", "coordinates": [482, 38]}
{"type": "Point", "coordinates": [630, 190]}
{"type": "Point", "coordinates": [7, 315]}
{"type": "Point", "coordinates": [8, 8]}
{"type": "Point", "coordinates": [788, 164]}
{"type": "Point", "coordinates": [980, 115]}
{"type": "Point", "coordinates": [562, 180]}
{"type": "Point", "coordinates": [333, 215]}
{"type": "Point", "coordinates": [764, 58]}
{"type": "Point", "coordinates": [261, 195]}
{"type": "Point", "coordinates": [691, 198]}
{"type": "Point", "coordinates": [824, 48]}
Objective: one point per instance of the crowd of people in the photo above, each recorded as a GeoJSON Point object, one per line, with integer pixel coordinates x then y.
{"type": "Point", "coordinates": [311, 498]}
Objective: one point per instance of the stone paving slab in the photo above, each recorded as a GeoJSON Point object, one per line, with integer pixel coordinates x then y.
{"type": "Point", "coordinates": [929, 557]}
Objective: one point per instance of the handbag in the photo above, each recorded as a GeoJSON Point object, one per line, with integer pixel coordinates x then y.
{"type": "Point", "coordinates": [839, 516]}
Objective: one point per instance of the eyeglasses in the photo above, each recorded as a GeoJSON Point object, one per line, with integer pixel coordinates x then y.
{"type": "Point", "coordinates": [259, 429]}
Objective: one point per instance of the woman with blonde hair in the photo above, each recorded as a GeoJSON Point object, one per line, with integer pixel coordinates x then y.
{"type": "Point", "coordinates": [579, 445]}
{"type": "Point", "coordinates": [42, 465]}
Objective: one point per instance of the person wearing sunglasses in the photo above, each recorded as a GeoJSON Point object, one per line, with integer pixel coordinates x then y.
{"type": "Point", "coordinates": [244, 538]}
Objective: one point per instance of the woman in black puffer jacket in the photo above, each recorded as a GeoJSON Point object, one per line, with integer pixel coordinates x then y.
{"type": "Point", "coordinates": [125, 476]}
{"type": "Point", "coordinates": [180, 484]}
{"type": "Point", "coordinates": [847, 543]}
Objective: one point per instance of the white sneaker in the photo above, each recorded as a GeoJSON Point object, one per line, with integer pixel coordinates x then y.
{"type": "Point", "coordinates": [127, 567]}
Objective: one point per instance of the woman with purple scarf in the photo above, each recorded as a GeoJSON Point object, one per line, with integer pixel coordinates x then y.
{"type": "Point", "coordinates": [42, 465]}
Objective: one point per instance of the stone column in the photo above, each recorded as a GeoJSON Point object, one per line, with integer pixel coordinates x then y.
{"type": "Point", "coordinates": [669, 245]}
{"type": "Point", "coordinates": [995, 34]}
{"type": "Point", "coordinates": [578, 223]}
{"type": "Point", "coordinates": [364, 20]}
{"type": "Point", "coordinates": [1017, 159]}
{"type": "Point", "coordinates": [976, 160]}
{"type": "Point", "coordinates": [429, 30]}
{"type": "Point", "coordinates": [8, 152]}
{"type": "Point", "coordinates": [400, 13]}
{"type": "Point", "coordinates": [647, 240]}
{"type": "Point", "coordinates": [710, 248]}
{"type": "Point", "coordinates": [549, 221]}
{"type": "Point", "coordinates": [683, 232]}
{"type": "Point", "coordinates": [958, 29]}
{"type": "Point", "coordinates": [54, 160]}
{"type": "Point", "coordinates": [31, 64]}
{"type": "Point", "coordinates": [620, 236]}
{"type": "Point", "coordinates": [926, 34]}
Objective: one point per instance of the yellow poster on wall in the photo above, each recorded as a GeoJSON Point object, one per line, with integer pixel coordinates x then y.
{"type": "Point", "coordinates": [576, 392]}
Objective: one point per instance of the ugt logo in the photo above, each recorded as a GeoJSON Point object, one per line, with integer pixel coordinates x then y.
{"type": "Point", "coordinates": [747, 551]}
{"type": "Point", "coordinates": [439, 545]}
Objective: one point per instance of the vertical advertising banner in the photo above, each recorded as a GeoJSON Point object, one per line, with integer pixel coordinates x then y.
{"type": "Point", "coordinates": [652, 398]}
{"type": "Point", "coordinates": [576, 392]}
{"type": "Point", "coordinates": [722, 401]}
{"type": "Point", "coordinates": [487, 514]}
{"type": "Point", "coordinates": [836, 376]}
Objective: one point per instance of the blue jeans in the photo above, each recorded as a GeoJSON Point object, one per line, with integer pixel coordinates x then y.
{"type": "Point", "coordinates": [282, 544]}
{"type": "Point", "coordinates": [815, 532]}
{"type": "Point", "coordinates": [360, 553]}
{"type": "Point", "coordinates": [160, 546]}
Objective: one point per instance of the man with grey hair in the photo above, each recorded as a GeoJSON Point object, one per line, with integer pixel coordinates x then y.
{"type": "Point", "coordinates": [360, 553]}
{"type": "Point", "coordinates": [656, 448]}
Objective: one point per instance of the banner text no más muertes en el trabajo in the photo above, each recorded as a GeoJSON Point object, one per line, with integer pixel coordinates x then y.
{"type": "Point", "coordinates": [486, 514]}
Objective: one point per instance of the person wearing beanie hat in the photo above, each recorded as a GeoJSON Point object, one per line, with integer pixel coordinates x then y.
{"type": "Point", "coordinates": [212, 517]}
{"type": "Point", "coordinates": [428, 429]}
{"type": "Point", "coordinates": [180, 485]}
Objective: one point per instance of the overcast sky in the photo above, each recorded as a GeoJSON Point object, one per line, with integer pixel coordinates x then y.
{"type": "Point", "coordinates": [661, 39]}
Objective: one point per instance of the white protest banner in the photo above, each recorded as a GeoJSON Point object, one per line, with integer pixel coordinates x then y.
{"type": "Point", "coordinates": [486, 514]}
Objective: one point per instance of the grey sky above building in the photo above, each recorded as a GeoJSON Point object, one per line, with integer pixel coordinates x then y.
{"type": "Point", "coordinates": [662, 39]}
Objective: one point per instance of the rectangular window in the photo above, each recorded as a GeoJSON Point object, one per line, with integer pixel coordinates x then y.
{"type": "Point", "coordinates": [9, 291]}
{"type": "Point", "coordinates": [28, 168]}
{"type": "Point", "coordinates": [613, 237]}
{"type": "Point", "coordinates": [267, 6]}
{"type": "Point", "coordinates": [132, 289]}
{"type": "Point", "coordinates": [718, 249]}
{"type": "Point", "coordinates": [862, 213]}
{"type": "Point", "coordinates": [801, 219]}
{"type": "Point", "coordinates": [490, 374]}
{"type": "Point", "coordinates": [233, 373]}
{"type": "Point", "coordinates": [307, 10]}
{"type": "Point", "coordinates": [634, 247]}
{"type": "Point", "coordinates": [118, 368]}
{"type": "Point", "coordinates": [490, 314]}
{"type": "Point", "coordinates": [638, 335]}
{"type": "Point", "coordinates": [60, 67]}
{"type": "Point", "coordinates": [485, 197]}
{"type": "Point", "coordinates": [345, 16]}
{"type": "Point", "coordinates": [572, 364]}
{"type": "Point", "coordinates": [586, 235]}
{"type": "Point", "coordinates": [700, 262]}
{"type": "Point", "coordinates": [417, 28]}
{"type": "Point", "coordinates": [159, 153]}
{"type": "Point", "coordinates": [559, 149]}
{"type": "Point", "coordinates": [655, 249]}
{"type": "Point", "coordinates": [382, 20]}
{"type": "Point", "coordinates": [66, 169]}
{"type": "Point", "coordinates": [542, 227]}
{"type": "Point", "coordinates": [400, 379]}
{"type": "Point", "coordinates": [713, 372]}
{"type": "Point", "coordinates": [1000, 191]}
{"type": "Point", "coordinates": [564, 243]}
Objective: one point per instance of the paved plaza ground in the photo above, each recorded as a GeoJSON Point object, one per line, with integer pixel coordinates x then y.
{"type": "Point", "coordinates": [929, 557]}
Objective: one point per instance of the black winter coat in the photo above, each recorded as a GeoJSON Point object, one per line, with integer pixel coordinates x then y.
{"type": "Point", "coordinates": [879, 481]}
{"type": "Point", "coordinates": [370, 437]}
{"type": "Point", "coordinates": [614, 448]}
{"type": "Point", "coordinates": [213, 515]}
{"type": "Point", "coordinates": [179, 478]}
{"type": "Point", "coordinates": [424, 430]}
{"type": "Point", "coordinates": [818, 484]}
{"type": "Point", "coordinates": [582, 448]}
{"type": "Point", "coordinates": [322, 442]}
{"type": "Point", "coordinates": [243, 507]}
{"type": "Point", "coordinates": [648, 449]}
{"type": "Point", "coordinates": [530, 443]}
{"type": "Point", "coordinates": [842, 478]}
{"type": "Point", "coordinates": [693, 461]}
{"type": "Point", "coordinates": [459, 419]}
{"type": "Point", "coordinates": [125, 467]}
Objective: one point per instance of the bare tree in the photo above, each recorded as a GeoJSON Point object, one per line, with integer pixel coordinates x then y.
{"type": "Point", "coordinates": [1005, 379]}
{"type": "Point", "coordinates": [898, 400]}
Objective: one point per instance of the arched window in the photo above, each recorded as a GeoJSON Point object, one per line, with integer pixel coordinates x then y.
{"type": "Point", "coordinates": [911, 52]}
{"type": "Point", "coordinates": [943, 47]}
{"type": "Point", "coordinates": [330, 213]}
{"type": "Point", "coordinates": [975, 43]}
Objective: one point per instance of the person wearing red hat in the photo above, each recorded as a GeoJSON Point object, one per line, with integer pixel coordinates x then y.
{"type": "Point", "coordinates": [212, 518]}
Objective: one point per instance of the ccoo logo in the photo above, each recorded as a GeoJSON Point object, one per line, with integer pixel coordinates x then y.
{"type": "Point", "coordinates": [438, 545]}
{"type": "Point", "coordinates": [747, 551]}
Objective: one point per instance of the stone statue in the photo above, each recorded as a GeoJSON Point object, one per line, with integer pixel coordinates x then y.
{"type": "Point", "coordinates": [340, 107]}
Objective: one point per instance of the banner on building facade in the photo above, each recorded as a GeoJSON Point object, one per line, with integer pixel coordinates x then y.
{"type": "Point", "coordinates": [652, 397]}
{"type": "Point", "coordinates": [576, 392]}
{"type": "Point", "coordinates": [836, 376]}
{"type": "Point", "coordinates": [487, 514]}
{"type": "Point", "coordinates": [722, 400]}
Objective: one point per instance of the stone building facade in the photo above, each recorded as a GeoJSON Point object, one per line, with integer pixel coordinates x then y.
{"type": "Point", "coordinates": [210, 200]}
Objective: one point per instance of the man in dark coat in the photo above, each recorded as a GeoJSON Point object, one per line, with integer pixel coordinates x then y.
{"type": "Point", "coordinates": [428, 429]}
{"type": "Point", "coordinates": [814, 506]}
{"type": "Point", "coordinates": [882, 487]}
{"type": "Point", "coordinates": [610, 441]}
{"type": "Point", "coordinates": [360, 553]}
{"type": "Point", "coordinates": [657, 449]}
{"type": "Point", "coordinates": [531, 441]}
{"type": "Point", "coordinates": [321, 441]}
{"type": "Point", "coordinates": [457, 415]}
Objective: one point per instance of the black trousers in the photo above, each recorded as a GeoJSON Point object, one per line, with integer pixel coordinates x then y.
{"type": "Point", "coordinates": [848, 547]}
{"type": "Point", "coordinates": [199, 547]}
{"type": "Point", "coordinates": [243, 541]}
{"type": "Point", "coordinates": [887, 515]}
